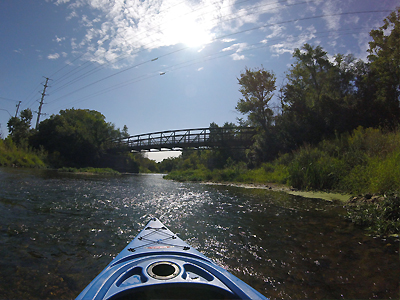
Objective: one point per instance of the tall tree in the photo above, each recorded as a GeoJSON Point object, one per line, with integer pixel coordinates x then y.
{"type": "Point", "coordinates": [19, 128]}
{"type": "Point", "coordinates": [319, 97]}
{"type": "Point", "coordinates": [257, 87]}
{"type": "Point", "coordinates": [384, 57]}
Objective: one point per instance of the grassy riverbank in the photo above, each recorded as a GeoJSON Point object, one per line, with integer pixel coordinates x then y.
{"type": "Point", "coordinates": [364, 162]}
{"type": "Point", "coordinates": [22, 157]}
{"type": "Point", "coordinates": [90, 171]}
{"type": "Point", "coordinates": [13, 156]}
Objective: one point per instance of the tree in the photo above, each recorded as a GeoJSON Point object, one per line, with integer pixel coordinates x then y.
{"type": "Point", "coordinates": [19, 128]}
{"type": "Point", "coordinates": [257, 87]}
{"type": "Point", "coordinates": [75, 137]}
{"type": "Point", "coordinates": [218, 157]}
{"type": "Point", "coordinates": [384, 57]}
{"type": "Point", "coordinates": [319, 97]}
{"type": "Point", "coordinates": [124, 133]}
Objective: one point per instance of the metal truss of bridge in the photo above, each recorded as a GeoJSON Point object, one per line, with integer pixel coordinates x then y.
{"type": "Point", "coordinates": [198, 138]}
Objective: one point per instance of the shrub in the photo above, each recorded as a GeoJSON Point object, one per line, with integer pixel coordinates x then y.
{"type": "Point", "coordinates": [385, 173]}
{"type": "Point", "coordinates": [314, 169]}
{"type": "Point", "coordinates": [381, 218]}
{"type": "Point", "coordinates": [356, 181]}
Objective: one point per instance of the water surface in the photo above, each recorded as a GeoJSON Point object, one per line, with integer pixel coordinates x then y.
{"type": "Point", "coordinates": [58, 231]}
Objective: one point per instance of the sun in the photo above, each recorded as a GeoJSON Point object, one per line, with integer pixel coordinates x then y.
{"type": "Point", "coordinates": [186, 29]}
{"type": "Point", "coordinates": [194, 35]}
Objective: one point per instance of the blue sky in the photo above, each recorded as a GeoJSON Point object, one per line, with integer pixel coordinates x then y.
{"type": "Point", "coordinates": [157, 65]}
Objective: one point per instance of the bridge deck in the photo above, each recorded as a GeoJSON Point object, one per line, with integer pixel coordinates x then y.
{"type": "Point", "coordinates": [188, 138]}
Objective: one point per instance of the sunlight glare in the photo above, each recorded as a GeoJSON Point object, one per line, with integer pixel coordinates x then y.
{"type": "Point", "coordinates": [188, 31]}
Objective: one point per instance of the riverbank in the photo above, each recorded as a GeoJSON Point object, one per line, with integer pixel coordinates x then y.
{"type": "Point", "coordinates": [333, 197]}
{"type": "Point", "coordinates": [89, 171]}
{"type": "Point", "coordinates": [379, 215]}
{"type": "Point", "coordinates": [12, 156]}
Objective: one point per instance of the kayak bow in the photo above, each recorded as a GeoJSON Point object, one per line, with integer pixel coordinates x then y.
{"type": "Point", "coordinates": [159, 265]}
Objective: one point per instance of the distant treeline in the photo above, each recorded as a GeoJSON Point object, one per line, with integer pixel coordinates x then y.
{"type": "Point", "coordinates": [75, 138]}
{"type": "Point", "coordinates": [364, 161]}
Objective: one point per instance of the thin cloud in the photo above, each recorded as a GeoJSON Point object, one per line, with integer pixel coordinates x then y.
{"type": "Point", "coordinates": [130, 26]}
{"type": "Point", "coordinates": [238, 48]}
{"type": "Point", "coordinates": [277, 31]}
{"type": "Point", "coordinates": [292, 42]}
{"type": "Point", "coordinates": [58, 39]}
{"type": "Point", "coordinates": [237, 56]}
{"type": "Point", "coordinates": [363, 40]}
{"type": "Point", "coordinates": [114, 29]}
{"type": "Point", "coordinates": [352, 20]}
{"type": "Point", "coordinates": [58, 2]}
{"type": "Point", "coordinates": [329, 9]}
{"type": "Point", "coordinates": [53, 56]}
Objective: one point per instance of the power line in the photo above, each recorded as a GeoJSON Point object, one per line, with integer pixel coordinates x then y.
{"type": "Point", "coordinates": [122, 56]}
{"type": "Point", "coordinates": [29, 103]}
{"type": "Point", "coordinates": [6, 111]}
{"type": "Point", "coordinates": [251, 47]}
{"type": "Point", "coordinates": [215, 39]}
{"type": "Point", "coordinates": [168, 8]}
{"type": "Point", "coordinates": [8, 99]}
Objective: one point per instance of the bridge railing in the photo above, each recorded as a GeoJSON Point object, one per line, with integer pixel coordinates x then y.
{"type": "Point", "coordinates": [189, 138]}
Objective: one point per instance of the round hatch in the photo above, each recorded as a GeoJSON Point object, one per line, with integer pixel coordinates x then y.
{"type": "Point", "coordinates": [163, 270]}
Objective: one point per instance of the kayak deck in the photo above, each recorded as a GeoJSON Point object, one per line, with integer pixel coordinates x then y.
{"type": "Point", "coordinates": [159, 265]}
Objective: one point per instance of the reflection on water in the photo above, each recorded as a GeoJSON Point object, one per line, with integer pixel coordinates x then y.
{"type": "Point", "coordinates": [58, 231]}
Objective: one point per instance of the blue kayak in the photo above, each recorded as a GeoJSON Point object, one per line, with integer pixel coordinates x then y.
{"type": "Point", "coordinates": [159, 265]}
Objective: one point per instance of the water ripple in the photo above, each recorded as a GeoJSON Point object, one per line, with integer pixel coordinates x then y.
{"type": "Point", "coordinates": [59, 231]}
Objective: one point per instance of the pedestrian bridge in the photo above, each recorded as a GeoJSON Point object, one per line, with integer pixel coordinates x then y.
{"type": "Point", "coordinates": [197, 138]}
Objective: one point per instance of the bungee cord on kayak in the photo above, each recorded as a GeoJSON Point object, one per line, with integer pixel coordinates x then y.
{"type": "Point", "coordinates": [158, 241]}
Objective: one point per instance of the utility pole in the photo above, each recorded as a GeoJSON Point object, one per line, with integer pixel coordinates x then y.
{"type": "Point", "coordinates": [19, 103]}
{"type": "Point", "coordinates": [41, 103]}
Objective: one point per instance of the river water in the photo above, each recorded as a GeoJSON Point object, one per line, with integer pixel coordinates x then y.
{"type": "Point", "coordinates": [58, 231]}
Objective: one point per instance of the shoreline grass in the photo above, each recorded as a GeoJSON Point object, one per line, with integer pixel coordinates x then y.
{"type": "Point", "coordinates": [366, 161]}
{"type": "Point", "coordinates": [89, 171]}
{"type": "Point", "coordinates": [13, 156]}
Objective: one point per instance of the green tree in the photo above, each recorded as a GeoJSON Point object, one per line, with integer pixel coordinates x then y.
{"type": "Point", "coordinates": [168, 164]}
{"type": "Point", "coordinates": [19, 128]}
{"type": "Point", "coordinates": [75, 137]}
{"type": "Point", "coordinates": [257, 87]}
{"type": "Point", "coordinates": [319, 97]}
{"type": "Point", "coordinates": [217, 157]}
{"type": "Point", "coordinates": [124, 133]}
{"type": "Point", "coordinates": [384, 57]}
